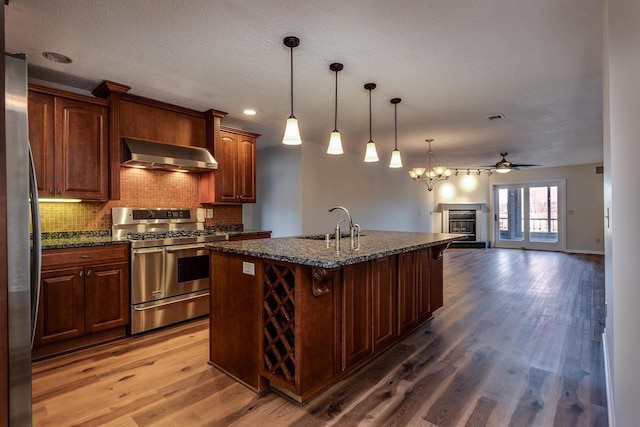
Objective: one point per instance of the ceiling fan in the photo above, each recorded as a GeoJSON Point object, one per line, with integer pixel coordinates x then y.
{"type": "Point", "coordinates": [504, 165]}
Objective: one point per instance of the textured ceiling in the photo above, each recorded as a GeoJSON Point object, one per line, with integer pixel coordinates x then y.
{"type": "Point", "coordinates": [453, 63]}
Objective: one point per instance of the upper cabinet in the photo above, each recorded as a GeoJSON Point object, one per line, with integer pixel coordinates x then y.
{"type": "Point", "coordinates": [235, 179]}
{"type": "Point", "coordinates": [69, 140]}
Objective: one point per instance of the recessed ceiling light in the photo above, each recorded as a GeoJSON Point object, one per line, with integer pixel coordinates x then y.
{"type": "Point", "coordinates": [57, 57]}
{"type": "Point", "coordinates": [249, 112]}
{"type": "Point", "coordinates": [496, 117]}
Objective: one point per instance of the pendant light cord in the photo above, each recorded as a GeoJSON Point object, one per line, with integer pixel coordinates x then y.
{"type": "Point", "coordinates": [370, 140]}
{"type": "Point", "coordinates": [396, 124]}
{"type": "Point", "coordinates": [292, 116]}
{"type": "Point", "coordinates": [335, 119]}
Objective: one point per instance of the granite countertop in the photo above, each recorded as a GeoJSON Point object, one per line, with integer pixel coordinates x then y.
{"type": "Point", "coordinates": [79, 241]}
{"type": "Point", "coordinates": [314, 252]}
{"type": "Point", "coordinates": [82, 239]}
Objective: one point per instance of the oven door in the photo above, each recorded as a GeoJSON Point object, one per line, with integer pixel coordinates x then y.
{"type": "Point", "coordinates": [147, 274]}
{"type": "Point", "coordinates": [187, 269]}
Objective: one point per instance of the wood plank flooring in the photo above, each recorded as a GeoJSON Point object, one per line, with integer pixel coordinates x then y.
{"type": "Point", "coordinates": [518, 343]}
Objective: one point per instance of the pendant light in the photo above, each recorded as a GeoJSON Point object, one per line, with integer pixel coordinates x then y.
{"type": "Point", "coordinates": [371, 154]}
{"type": "Point", "coordinates": [335, 142]}
{"type": "Point", "coordinates": [396, 161]}
{"type": "Point", "coordinates": [291, 132]}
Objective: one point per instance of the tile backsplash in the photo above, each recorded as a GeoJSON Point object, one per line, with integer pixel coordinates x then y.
{"type": "Point", "coordinates": [138, 188]}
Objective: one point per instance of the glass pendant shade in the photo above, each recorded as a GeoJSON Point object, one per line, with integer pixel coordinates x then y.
{"type": "Point", "coordinates": [396, 160]}
{"type": "Point", "coordinates": [371, 154]}
{"type": "Point", "coordinates": [439, 170]}
{"type": "Point", "coordinates": [292, 133]}
{"type": "Point", "coordinates": [335, 143]}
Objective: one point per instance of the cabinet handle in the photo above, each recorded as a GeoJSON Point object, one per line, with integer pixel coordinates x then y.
{"type": "Point", "coordinates": [88, 273]}
{"type": "Point", "coordinates": [84, 256]}
{"type": "Point", "coordinates": [59, 191]}
{"type": "Point", "coordinates": [81, 274]}
{"type": "Point", "coordinates": [51, 191]}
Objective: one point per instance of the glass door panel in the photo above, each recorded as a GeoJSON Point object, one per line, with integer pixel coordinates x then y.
{"type": "Point", "coordinates": [510, 214]}
{"type": "Point", "coordinates": [543, 214]}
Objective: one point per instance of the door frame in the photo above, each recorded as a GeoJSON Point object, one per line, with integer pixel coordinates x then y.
{"type": "Point", "coordinates": [561, 245]}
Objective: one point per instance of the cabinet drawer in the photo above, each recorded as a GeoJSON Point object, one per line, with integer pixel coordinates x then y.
{"type": "Point", "coordinates": [57, 258]}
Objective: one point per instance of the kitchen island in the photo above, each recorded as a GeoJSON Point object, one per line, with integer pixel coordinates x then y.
{"type": "Point", "coordinates": [296, 315]}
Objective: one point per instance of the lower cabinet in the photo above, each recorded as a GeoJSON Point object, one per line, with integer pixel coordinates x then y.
{"type": "Point", "coordinates": [84, 298]}
{"type": "Point", "coordinates": [369, 309]}
{"type": "Point", "coordinates": [313, 325]}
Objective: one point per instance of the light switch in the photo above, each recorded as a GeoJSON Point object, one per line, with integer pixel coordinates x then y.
{"type": "Point", "coordinates": [249, 268]}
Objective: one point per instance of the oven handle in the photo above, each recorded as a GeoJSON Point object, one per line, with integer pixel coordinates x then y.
{"type": "Point", "coordinates": [146, 251]}
{"type": "Point", "coordinates": [185, 247]}
{"type": "Point", "coordinates": [169, 302]}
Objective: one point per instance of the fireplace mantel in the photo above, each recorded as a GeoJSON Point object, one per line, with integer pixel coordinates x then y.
{"type": "Point", "coordinates": [470, 206]}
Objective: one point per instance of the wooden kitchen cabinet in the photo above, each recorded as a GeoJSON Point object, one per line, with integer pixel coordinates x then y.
{"type": "Point", "coordinates": [61, 309]}
{"type": "Point", "coordinates": [235, 179]}
{"type": "Point", "coordinates": [69, 140]}
{"type": "Point", "coordinates": [238, 237]}
{"type": "Point", "coordinates": [423, 258]}
{"type": "Point", "coordinates": [357, 313]}
{"type": "Point", "coordinates": [384, 289]}
{"type": "Point", "coordinates": [407, 292]}
{"type": "Point", "coordinates": [84, 298]}
{"type": "Point", "coordinates": [369, 309]}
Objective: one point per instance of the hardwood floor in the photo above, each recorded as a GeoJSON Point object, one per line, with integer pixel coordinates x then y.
{"type": "Point", "coordinates": [518, 343]}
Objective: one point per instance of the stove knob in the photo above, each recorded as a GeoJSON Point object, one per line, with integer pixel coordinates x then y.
{"type": "Point", "coordinates": [149, 214]}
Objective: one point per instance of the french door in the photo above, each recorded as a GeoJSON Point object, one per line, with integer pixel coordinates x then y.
{"type": "Point", "coordinates": [530, 215]}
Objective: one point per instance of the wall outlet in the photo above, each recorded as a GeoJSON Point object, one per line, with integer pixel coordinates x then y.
{"type": "Point", "coordinates": [249, 268]}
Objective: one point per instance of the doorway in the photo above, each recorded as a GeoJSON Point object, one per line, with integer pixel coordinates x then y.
{"type": "Point", "coordinates": [530, 215]}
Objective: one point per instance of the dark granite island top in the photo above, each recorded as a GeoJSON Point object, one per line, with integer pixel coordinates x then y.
{"type": "Point", "coordinates": [294, 315]}
{"type": "Point", "coordinates": [313, 250]}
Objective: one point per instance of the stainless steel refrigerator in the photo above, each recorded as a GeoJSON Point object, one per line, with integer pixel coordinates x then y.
{"type": "Point", "coordinates": [23, 240]}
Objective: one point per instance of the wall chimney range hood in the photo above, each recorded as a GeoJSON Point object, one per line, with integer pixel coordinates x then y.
{"type": "Point", "coordinates": [137, 153]}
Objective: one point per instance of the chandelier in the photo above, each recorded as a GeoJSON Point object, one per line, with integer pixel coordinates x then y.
{"type": "Point", "coordinates": [433, 173]}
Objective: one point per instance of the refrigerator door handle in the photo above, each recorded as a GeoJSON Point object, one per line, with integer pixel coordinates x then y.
{"type": "Point", "coordinates": [37, 246]}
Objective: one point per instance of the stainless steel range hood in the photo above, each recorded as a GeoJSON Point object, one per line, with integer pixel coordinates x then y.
{"type": "Point", "coordinates": [137, 153]}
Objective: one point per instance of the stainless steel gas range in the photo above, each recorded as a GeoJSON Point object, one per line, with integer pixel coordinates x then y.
{"type": "Point", "coordinates": [169, 264]}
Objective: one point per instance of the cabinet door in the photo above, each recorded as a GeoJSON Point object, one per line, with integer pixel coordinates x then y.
{"type": "Point", "coordinates": [383, 278]}
{"type": "Point", "coordinates": [40, 107]}
{"type": "Point", "coordinates": [226, 154]}
{"type": "Point", "coordinates": [106, 296]}
{"type": "Point", "coordinates": [61, 308]}
{"type": "Point", "coordinates": [437, 277]}
{"type": "Point", "coordinates": [246, 181]}
{"type": "Point", "coordinates": [424, 285]}
{"type": "Point", "coordinates": [357, 343]}
{"type": "Point", "coordinates": [81, 149]}
{"type": "Point", "coordinates": [407, 293]}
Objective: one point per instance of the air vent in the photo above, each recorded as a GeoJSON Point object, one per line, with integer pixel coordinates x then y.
{"type": "Point", "coordinates": [599, 170]}
{"type": "Point", "coordinates": [496, 117]}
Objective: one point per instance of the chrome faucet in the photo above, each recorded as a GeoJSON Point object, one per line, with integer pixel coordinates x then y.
{"type": "Point", "coordinates": [354, 229]}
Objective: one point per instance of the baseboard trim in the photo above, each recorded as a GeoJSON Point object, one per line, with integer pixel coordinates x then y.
{"type": "Point", "coordinates": [607, 375]}
{"type": "Point", "coordinates": [581, 251]}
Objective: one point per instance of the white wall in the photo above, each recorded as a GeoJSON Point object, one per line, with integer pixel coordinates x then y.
{"type": "Point", "coordinates": [378, 198]}
{"type": "Point", "coordinates": [585, 201]}
{"type": "Point", "coordinates": [279, 203]}
{"type": "Point", "coordinates": [297, 185]}
{"type": "Point", "coordinates": [465, 189]}
{"type": "Point", "coordinates": [624, 124]}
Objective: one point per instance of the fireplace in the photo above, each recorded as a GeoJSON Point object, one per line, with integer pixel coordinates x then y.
{"type": "Point", "coordinates": [468, 219]}
{"type": "Point", "coordinates": [463, 221]}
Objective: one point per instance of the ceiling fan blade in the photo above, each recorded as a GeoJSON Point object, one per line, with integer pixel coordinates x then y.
{"type": "Point", "coordinates": [523, 165]}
